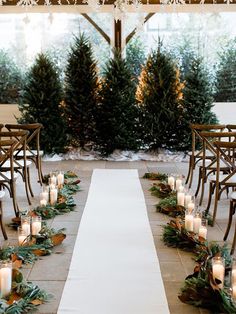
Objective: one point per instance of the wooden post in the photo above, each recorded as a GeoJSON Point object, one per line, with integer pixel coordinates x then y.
{"type": "Point", "coordinates": [118, 34]}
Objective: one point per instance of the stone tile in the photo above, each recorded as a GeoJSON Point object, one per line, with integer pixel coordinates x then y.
{"type": "Point", "coordinates": [55, 288]}
{"type": "Point", "coordinates": [69, 217]}
{"type": "Point", "coordinates": [168, 255]}
{"type": "Point", "coordinates": [70, 226]}
{"type": "Point", "coordinates": [50, 268]}
{"type": "Point", "coordinates": [117, 165]}
{"type": "Point", "coordinates": [182, 308]}
{"type": "Point", "coordinates": [67, 245]}
{"type": "Point", "coordinates": [159, 244]}
{"type": "Point", "coordinates": [172, 271]}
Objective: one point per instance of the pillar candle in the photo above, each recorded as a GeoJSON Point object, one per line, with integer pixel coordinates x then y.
{"type": "Point", "coordinates": [233, 274]}
{"type": "Point", "coordinates": [187, 200]}
{"type": "Point", "coordinates": [53, 196]}
{"type": "Point", "coordinates": [178, 183]}
{"type": "Point", "coordinates": [180, 198]}
{"type": "Point", "coordinates": [60, 179]}
{"type": "Point", "coordinates": [44, 196]}
{"type": "Point", "coordinates": [5, 280]}
{"type": "Point", "coordinates": [203, 232]}
{"type": "Point", "coordinates": [197, 221]}
{"type": "Point", "coordinates": [43, 203]}
{"type": "Point", "coordinates": [53, 180]}
{"type": "Point", "coordinates": [36, 227]}
{"type": "Point", "coordinates": [218, 271]}
{"type": "Point", "coordinates": [190, 206]}
{"type": "Point", "coordinates": [189, 222]}
{"type": "Point", "coordinates": [26, 228]}
{"type": "Point", "coordinates": [171, 182]}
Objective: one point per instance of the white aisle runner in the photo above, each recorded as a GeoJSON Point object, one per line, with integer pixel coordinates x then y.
{"type": "Point", "coordinates": [114, 267]}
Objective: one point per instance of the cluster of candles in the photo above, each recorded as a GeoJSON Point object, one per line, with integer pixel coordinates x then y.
{"type": "Point", "coordinates": [49, 193]}
{"type": "Point", "coordinates": [29, 226]}
{"type": "Point", "coordinates": [193, 220]}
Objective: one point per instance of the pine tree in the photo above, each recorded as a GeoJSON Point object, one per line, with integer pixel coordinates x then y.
{"type": "Point", "coordinates": [117, 113]}
{"type": "Point", "coordinates": [198, 100]}
{"type": "Point", "coordinates": [40, 102]}
{"type": "Point", "coordinates": [81, 84]}
{"type": "Point", "coordinates": [159, 96]}
{"type": "Point", "coordinates": [135, 56]}
{"type": "Point", "coordinates": [10, 79]}
{"type": "Point", "coordinates": [226, 75]}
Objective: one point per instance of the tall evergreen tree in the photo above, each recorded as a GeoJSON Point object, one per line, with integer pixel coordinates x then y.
{"type": "Point", "coordinates": [159, 95]}
{"type": "Point", "coordinates": [117, 113]}
{"type": "Point", "coordinates": [135, 56]}
{"type": "Point", "coordinates": [198, 100]}
{"type": "Point", "coordinates": [81, 84]}
{"type": "Point", "coordinates": [40, 102]}
{"type": "Point", "coordinates": [10, 79]}
{"type": "Point", "coordinates": [226, 74]}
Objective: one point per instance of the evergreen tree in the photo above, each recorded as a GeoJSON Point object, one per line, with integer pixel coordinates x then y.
{"type": "Point", "coordinates": [198, 100]}
{"type": "Point", "coordinates": [117, 113]}
{"type": "Point", "coordinates": [10, 79]}
{"type": "Point", "coordinates": [40, 102]}
{"type": "Point", "coordinates": [159, 95]}
{"type": "Point", "coordinates": [135, 56]}
{"type": "Point", "coordinates": [81, 84]}
{"type": "Point", "coordinates": [226, 75]}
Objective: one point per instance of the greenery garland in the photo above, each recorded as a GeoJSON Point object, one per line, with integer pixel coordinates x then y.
{"type": "Point", "coordinates": [200, 289]}
{"type": "Point", "coordinates": [155, 176]}
{"type": "Point", "coordinates": [24, 297]}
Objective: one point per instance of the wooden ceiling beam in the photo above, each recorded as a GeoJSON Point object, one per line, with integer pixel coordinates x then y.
{"type": "Point", "coordinates": [109, 2]}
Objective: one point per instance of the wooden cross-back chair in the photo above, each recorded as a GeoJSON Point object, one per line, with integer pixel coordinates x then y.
{"type": "Point", "coordinates": [221, 181]}
{"type": "Point", "coordinates": [232, 210]}
{"type": "Point", "coordinates": [207, 167]}
{"type": "Point", "coordinates": [196, 154]}
{"type": "Point", "coordinates": [8, 178]}
{"type": "Point", "coordinates": [19, 166]}
{"type": "Point", "coordinates": [33, 151]}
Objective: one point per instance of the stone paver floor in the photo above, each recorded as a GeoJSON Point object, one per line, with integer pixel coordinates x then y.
{"type": "Point", "coordinates": [50, 272]}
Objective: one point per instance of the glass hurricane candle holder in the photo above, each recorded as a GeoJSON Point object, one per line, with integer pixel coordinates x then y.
{"type": "Point", "coordinates": [22, 236]}
{"type": "Point", "coordinates": [178, 182]}
{"type": "Point", "coordinates": [203, 229]}
{"type": "Point", "coordinates": [218, 270]}
{"type": "Point", "coordinates": [25, 224]}
{"type": "Point", "coordinates": [181, 196]}
{"type": "Point", "coordinates": [60, 179]}
{"type": "Point", "coordinates": [188, 222]}
{"type": "Point", "coordinates": [171, 181]}
{"type": "Point", "coordinates": [5, 278]}
{"type": "Point", "coordinates": [197, 221]}
{"type": "Point", "coordinates": [53, 196]}
{"type": "Point", "coordinates": [36, 225]}
{"type": "Point", "coordinates": [53, 178]}
{"type": "Point", "coordinates": [44, 195]}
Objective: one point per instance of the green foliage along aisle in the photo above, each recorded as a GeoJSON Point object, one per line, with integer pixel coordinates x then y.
{"type": "Point", "coordinates": [198, 100]}
{"type": "Point", "coordinates": [226, 74]}
{"type": "Point", "coordinates": [159, 95]}
{"type": "Point", "coordinates": [10, 79]}
{"type": "Point", "coordinates": [81, 84]}
{"type": "Point", "coordinates": [40, 102]}
{"type": "Point", "coordinates": [116, 115]}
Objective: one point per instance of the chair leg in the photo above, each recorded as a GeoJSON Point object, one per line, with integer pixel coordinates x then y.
{"type": "Point", "coordinates": [26, 185]}
{"type": "Point", "coordinates": [190, 169]}
{"type": "Point", "coordinates": [209, 198]}
{"type": "Point", "coordinates": [29, 183]}
{"type": "Point", "coordinates": [1, 223]}
{"type": "Point", "coordinates": [215, 203]}
{"type": "Point", "coordinates": [39, 167]}
{"type": "Point", "coordinates": [202, 186]}
{"type": "Point", "coordinates": [199, 181]}
{"type": "Point", "coordinates": [13, 195]}
{"type": "Point", "coordinates": [231, 213]}
{"type": "Point", "coordinates": [234, 239]}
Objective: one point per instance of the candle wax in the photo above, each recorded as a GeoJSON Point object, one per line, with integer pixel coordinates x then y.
{"type": "Point", "coordinates": [218, 271]}
{"type": "Point", "coordinates": [5, 281]}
